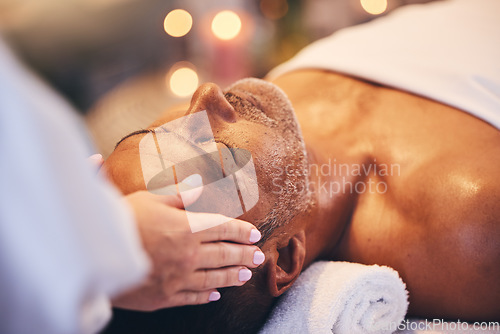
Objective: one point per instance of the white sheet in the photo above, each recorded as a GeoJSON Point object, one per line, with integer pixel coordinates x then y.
{"type": "Point", "coordinates": [447, 51]}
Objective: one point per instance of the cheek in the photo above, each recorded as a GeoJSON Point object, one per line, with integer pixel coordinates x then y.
{"type": "Point", "coordinates": [270, 158]}
{"type": "Point", "coordinates": [261, 210]}
{"type": "Point", "coordinates": [268, 151]}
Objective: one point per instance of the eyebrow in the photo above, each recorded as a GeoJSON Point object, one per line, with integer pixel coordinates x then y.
{"type": "Point", "coordinates": [138, 132]}
{"type": "Point", "coordinates": [252, 100]}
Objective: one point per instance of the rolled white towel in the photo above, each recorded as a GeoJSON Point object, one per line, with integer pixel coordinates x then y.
{"type": "Point", "coordinates": [341, 298]}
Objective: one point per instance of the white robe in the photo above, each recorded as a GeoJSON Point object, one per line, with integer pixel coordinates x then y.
{"type": "Point", "coordinates": [67, 240]}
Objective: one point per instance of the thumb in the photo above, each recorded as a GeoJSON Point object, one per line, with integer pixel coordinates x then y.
{"type": "Point", "coordinates": [96, 160]}
{"type": "Point", "coordinates": [190, 190]}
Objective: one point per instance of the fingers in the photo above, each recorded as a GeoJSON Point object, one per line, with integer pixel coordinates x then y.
{"type": "Point", "coordinates": [194, 298]}
{"type": "Point", "coordinates": [233, 230]}
{"type": "Point", "coordinates": [96, 160]}
{"type": "Point", "coordinates": [224, 254]}
{"type": "Point", "coordinates": [218, 278]}
{"type": "Point", "coordinates": [231, 261]}
{"type": "Point", "coordinates": [190, 190]}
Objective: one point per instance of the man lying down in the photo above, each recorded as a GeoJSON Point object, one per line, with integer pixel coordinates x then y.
{"type": "Point", "coordinates": [394, 162]}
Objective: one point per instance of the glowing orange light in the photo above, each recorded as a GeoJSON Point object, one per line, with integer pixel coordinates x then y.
{"type": "Point", "coordinates": [274, 9]}
{"type": "Point", "coordinates": [178, 23]}
{"type": "Point", "coordinates": [374, 7]}
{"type": "Point", "coordinates": [183, 81]}
{"type": "Point", "coordinates": [226, 25]}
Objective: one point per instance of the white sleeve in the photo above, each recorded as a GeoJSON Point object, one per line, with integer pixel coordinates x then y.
{"type": "Point", "coordinates": [67, 240]}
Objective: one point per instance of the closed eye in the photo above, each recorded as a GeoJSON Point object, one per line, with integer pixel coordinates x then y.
{"type": "Point", "coordinates": [138, 132]}
{"type": "Point", "coordinates": [244, 98]}
{"type": "Point", "coordinates": [233, 98]}
{"type": "Point", "coordinates": [248, 105]}
{"type": "Point", "coordinates": [204, 140]}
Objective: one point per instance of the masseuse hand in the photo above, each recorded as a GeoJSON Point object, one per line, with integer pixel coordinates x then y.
{"type": "Point", "coordinates": [188, 267]}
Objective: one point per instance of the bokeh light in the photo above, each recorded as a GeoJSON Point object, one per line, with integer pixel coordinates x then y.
{"type": "Point", "coordinates": [178, 23]}
{"type": "Point", "coordinates": [274, 9]}
{"type": "Point", "coordinates": [183, 81]}
{"type": "Point", "coordinates": [374, 7]}
{"type": "Point", "coordinates": [226, 25]}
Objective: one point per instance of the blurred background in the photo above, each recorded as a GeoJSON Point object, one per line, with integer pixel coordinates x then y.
{"type": "Point", "coordinates": [121, 63]}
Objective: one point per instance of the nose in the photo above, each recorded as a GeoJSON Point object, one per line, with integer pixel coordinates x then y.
{"type": "Point", "coordinates": [209, 97]}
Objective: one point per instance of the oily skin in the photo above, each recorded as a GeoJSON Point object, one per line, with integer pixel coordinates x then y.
{"type": "Point", "coordinates": [436, 223]}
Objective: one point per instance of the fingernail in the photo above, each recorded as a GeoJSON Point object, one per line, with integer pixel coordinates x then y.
{"type": "Point", "coordinates": [258, 257]}
{"type": "Point", "coordinates": [194, 180]}
{"type": "Point", "coordinates": [96, 157]}
{"type": "Point", "coordinates": [254, 235]}
{"type": "Point", "coordinates": [244, 275]}
{"type": "Point", "coordinates": [214, 295]}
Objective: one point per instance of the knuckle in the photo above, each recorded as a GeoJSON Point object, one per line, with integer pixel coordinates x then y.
{"type": "Point", "coordinates": [159, 300]}
{"type": "Point", "coordinates": [201, 298]}
{"type": "Point", "coordinates": [174, 301]}
{"type": "Point", "coordinates": [228, 278]}
{"type": "Point", "coordinates": [224, 278]}
{"type": "Point", "coordinates": [205, 278]}
{"type": "Point", "coordinates": [242, 255]}
{"type": "Point", "coordinates": [225, 230]}
{"type": "Point", "coordinates": [223, 254]}
{"type": "Point", "coordinates": [244, 232]}
{"type": "Point", "coordinates": [190, 258]}
{"type": "Point", "coordinates": [218, 279]}
{"type": "Point", "coordinates": [195, 257]}
{"type": "Point", "coordinates": [190, 298]}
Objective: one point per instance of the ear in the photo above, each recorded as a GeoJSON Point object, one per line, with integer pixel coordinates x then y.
{"type": "Point", "coordinates": [286, 263]}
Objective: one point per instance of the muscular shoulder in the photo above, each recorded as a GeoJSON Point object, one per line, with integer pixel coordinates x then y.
{"type": "Point", "coordinates": [458, 187]}
{"type": "Point", "coordinates": [454, 207]}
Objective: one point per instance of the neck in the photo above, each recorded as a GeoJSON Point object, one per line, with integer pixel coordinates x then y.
{"type": "Point", "coordinates": [334, 204]}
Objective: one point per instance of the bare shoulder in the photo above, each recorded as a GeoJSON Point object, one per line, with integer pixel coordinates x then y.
{"type": "Point", "coordinates": [450, 210]}
{"type": "Point", "coordinates": [458, 239]}
{"type": "Point", "coordinates": [439, 227]}
{"type": "Point", "coordinates": [439, 222]}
